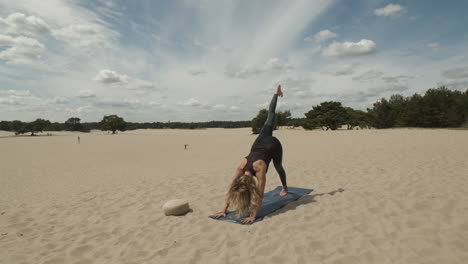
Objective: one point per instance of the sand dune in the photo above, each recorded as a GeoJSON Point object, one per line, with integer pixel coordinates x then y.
{"type": "Point", "coordinates": [380, 196]}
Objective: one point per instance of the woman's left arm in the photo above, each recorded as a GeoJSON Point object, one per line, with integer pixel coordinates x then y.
{"type": "Point", "coordinates": [261, 181]}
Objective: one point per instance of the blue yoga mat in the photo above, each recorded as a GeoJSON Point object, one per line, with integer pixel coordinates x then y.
{"type": "Point", "coordinates": [272, 201]}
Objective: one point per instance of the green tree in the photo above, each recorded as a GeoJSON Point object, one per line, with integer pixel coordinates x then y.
{"type": "Point", "coordinates": [18, 127]}
{"type": "Point", "coordinates": [381, 114]}
{"type": "Point", "coordinates": [37, 125]}
{"type": "Point", "coordinates": [281, 119]}
{"type": "Point", "coordinates": [356, 118]}
{"type": "Point", "coordinates": [113, 123]}
{"type": "Point", "coordinates": [440, 108]}
{"type": "Point", "coordinates": [330, 115]}
{"type": "Point", "coordinates": [73, 124]}
{"type": "Point", "coordinates": [309, 124]}
{"type": "Point", "coordinates": [5, 125]}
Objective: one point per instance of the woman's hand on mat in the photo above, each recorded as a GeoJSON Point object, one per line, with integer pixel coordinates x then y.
{"type": "Point", "coordinates": [248, 219]}
{"type": "Point", "coordinates": [218, 215]}
{"type": "Point", "coordinates": [278, 91]}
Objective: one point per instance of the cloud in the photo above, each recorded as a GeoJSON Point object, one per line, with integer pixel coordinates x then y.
{"type": "Point", "coordinates": [375, 92]}
{"type": "Point", "coordinates": [396, 79]}
{"type": "Point", "coordinates": [15, 97]}
{"type": "Point", "coordinates": [457, 78]}
{"type": "Point", "coordinates": [349, 49]}
{"type": "Point", "coordinates": [126, 103]}
{"type": "Point", "coordinates": [234, 72]}
{"type": "Point", "coordinates": [391, 10]}
{"type": "Point", "coordinates": [20, 98]}
{"type": "Point", "coordinates": [299, 87]}
{"type": "Point", "coordinates": [190, 102]}
{"type": "Point", "coordinates": [21, 50]}
{"type": "Point", "coordinates": [18, 93]}
{"type": "Point", "coordinates": [456, 73]}
{"type": "Point", "coordinates": [225, 108]}
{"type": "Point", "coordinates": [434, 46]}
{"type": "Point", "coordinates": [60, 100]}
{"type": "Point", "coordinates": [277, 64]}
{"type": "Point", "coordinates": [86, 94]}
{"type": "Point", "coordinates": [322, 36]}
{"type": "Point", "coordinates": [340, 70]}
{"type": "Point", "coordinates": [20, 24]}
{"type": "Point", "coordinates": [109, 77]}
{"type": "Point", "coordinates": [86, 36]}
{"type": "Point", "coordinates": [197, 72]}
{"type": "Point", "coordinates": [380, 91]}
{"type": "Point", "coordinates": [271, 65]}
{"type": "Point", "coordinates": [458, 84]}
{"type": "Point", "coordinates": [368, 76]}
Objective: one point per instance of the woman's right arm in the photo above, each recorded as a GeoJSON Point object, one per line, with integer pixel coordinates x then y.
{"type": "Point", "coordinates": [239, 172]}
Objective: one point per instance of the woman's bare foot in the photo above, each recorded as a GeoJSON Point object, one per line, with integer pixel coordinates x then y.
{"type": "Point", "coordinates": [278, 91]}
{"type": "Point", "coordinates": [284, 191]}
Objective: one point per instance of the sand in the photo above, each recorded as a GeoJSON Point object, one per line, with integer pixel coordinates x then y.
{"type": "Point", "coordinates": [380, 196]}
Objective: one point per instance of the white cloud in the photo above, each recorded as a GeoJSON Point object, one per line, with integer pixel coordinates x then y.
{"type": "Point", "coordinates": [126, 103]}
{"type": "Point", "coordinates": [20, 98]}
{"type": "Point", "coordinates": [271, 65]}
{"type": "Point", "coordinates": [391, 10]}
{"type": "Point", "coordinates": [459, 84]}
{"type": "Point", "coordinates": [190, 102]}
{"type": "Point", "coordinates": [18, 93]}
{"type": "Point", "coordinates": [348, 49]}
{"type": "Point", "coordinates": [380, 91]}
{"type": "Point", "coordinates": [299, 87]}
{"type": "Point", "coordinates": [434, 46]}
{"type": "Point", "coordinates": [396, 79]}
{"type": "Point", "coordinates": [16, 97]}
{"type": "Point", "coordinates": [18, 23]}
{"type": "Point", "coordinates": [456, 73]}
{"type": "Point", "coordinates": [21, 51]}
{"type": "Point", "coordinates": [340, 70]}
{"type": "Point", "coordinates": [322, 36]}
{"type": "Point", "coordinates": [277, 64]}
{"type": "Point", "coordinates": [85, 36]}
{"type": "Point", "coordinates": [197, 72]}
{"type": "Point", "coordinates": [60, 100]}
{"type": "Point", "coordinates": [86, 94]}
{"type": "Point", "coordinates": [109, 77]}
{"type": "Point", "coordinates": [457, 78]}
{"type": "Point", "coordinates": [368, 76]}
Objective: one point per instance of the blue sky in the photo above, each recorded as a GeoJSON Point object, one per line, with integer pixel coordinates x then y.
{"type": "Point", "coordinates": [202, 60]}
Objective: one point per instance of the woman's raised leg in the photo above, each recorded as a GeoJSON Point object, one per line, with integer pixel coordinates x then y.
{"type": "Point", "coordinates": [267, 129]}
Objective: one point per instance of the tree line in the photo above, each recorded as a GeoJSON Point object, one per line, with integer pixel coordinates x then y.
{"type": "Point", "coordinates": [111, 123]}
{"type": "Point", "coordinates": [437, 108]}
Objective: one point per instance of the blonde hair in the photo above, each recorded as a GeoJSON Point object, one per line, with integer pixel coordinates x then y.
{"type": "Point", "coordinates": [243, 195]}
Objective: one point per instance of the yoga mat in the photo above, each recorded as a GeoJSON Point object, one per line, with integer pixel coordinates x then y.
{"type": "Point", "coordinates": [272, 201]}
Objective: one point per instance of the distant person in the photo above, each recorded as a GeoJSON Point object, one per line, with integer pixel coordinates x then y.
{"type": "Point", "coordinates": [185, 146]}
{"type": "Point", "coordinates": [78, 139]}
{"type": "Point", "coordinates": [246, 195]}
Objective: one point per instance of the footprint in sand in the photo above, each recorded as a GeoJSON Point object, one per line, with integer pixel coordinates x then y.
{"type": "Point", "coordinates": [55, 261]}
{"type": "Point", "coordinates": [80, 251]}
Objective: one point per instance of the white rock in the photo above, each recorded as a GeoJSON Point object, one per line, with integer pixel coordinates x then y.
{"type": "Point", "coordinates": [176, 207]}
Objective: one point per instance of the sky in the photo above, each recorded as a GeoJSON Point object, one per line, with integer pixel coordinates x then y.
{"type": "Point", "coordinates": [200, 60]}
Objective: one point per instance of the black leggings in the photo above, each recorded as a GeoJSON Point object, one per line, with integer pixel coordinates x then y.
{"type": "Point", "coordinates": [266, 137]}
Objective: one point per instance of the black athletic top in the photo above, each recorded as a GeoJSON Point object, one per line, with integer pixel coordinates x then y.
{"type": "Point", "coordinates": [264, 148]}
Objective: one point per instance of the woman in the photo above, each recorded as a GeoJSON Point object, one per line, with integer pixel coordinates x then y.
{"type": "Point", "coordinates": [246, 195]}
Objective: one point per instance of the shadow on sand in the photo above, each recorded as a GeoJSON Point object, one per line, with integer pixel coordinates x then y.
{"type": "Point", "coordinates": [306, 199]}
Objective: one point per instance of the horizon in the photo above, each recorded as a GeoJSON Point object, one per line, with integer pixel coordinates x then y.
{"type": "Point", "coordinates": [190, 60]}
